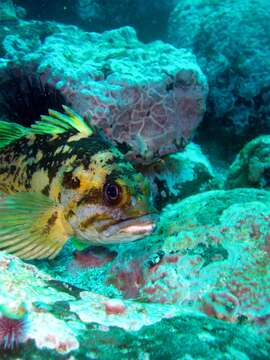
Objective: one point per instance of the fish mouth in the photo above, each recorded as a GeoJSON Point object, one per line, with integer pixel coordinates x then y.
{"type": "Point", "coordinates": [136, 227]}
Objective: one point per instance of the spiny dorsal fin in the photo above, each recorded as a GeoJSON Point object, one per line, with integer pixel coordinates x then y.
{"type": "Point", "coordinates": [10, 132]}
{"type": "Point", "coordinates": [58, 123]}
{"type": "Point", "coordinates": [32, 226]}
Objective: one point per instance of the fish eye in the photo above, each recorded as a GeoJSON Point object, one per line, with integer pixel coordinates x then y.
{"type": "Point", "coordinates": [112, 193]}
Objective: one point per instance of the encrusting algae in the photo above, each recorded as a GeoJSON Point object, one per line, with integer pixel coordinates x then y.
{"type": "Point", "coordinates": [61, 178]}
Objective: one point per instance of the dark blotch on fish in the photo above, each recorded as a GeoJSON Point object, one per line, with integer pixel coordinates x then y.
{"type": "Point", "coordinates": [69, 182]}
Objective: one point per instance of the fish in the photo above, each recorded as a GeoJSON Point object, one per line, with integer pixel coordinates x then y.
{"type": "Point", "coordinates": [62, 179]}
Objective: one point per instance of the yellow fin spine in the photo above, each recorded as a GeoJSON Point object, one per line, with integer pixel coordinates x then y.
{"type": "Point", "coordinates": [58, 123]}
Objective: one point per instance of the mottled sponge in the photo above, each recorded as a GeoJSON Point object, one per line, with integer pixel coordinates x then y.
{"type": "Point", "coordinates": [148, 98]}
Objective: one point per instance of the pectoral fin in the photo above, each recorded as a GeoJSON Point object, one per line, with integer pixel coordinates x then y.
{"type": "Point", "coordinates": [32, 226]}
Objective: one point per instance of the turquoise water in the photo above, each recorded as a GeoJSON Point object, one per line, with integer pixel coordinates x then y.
{"type": "Point", "coordinates": [134, 179]}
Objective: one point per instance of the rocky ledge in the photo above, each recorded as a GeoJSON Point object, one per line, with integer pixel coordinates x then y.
{"type": "Point", "coordinates": [198, 287]}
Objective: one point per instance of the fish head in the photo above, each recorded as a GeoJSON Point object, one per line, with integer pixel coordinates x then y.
{"type": "Point", "coordinates": [108, 201]}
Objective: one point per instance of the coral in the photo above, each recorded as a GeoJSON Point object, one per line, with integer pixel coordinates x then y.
{"type": "Point", "coordinates": [149, 99]}
{"type": "Point", "coordinates": [231, 41]}
{"type": "Point", "coordinates": [251, 167]}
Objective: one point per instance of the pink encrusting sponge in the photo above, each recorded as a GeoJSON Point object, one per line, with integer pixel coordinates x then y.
{"type": "Point", "coordinates": [13, 325]}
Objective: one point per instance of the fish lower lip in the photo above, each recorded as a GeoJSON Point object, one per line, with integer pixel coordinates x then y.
{"type": "Point", "coordinates": [141, 225]}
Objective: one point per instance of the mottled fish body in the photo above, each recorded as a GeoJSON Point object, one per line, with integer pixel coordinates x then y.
{"type": "Point", "coordinates": [62, 178]}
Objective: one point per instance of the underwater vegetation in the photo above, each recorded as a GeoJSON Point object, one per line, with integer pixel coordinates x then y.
{"type": "Point", "coordinates": [107, 138]}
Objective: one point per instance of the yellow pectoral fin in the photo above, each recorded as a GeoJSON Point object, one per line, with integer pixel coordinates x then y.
{"type": "Point", "coordinates": [32, 226]}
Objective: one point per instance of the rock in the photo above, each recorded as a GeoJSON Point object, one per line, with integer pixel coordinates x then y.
{"type": "Point", "coordinates": [199, 285]}
{"type": "Point", "coordinates": [64, 322]}
{"type": "Point", "coordinates": [7, 11]}
{"type": "Point", "coordinates": [24, 282]}
{"type": "Point", "coordinates": [149, 99]}
{"type": "Point", "coordinates": [231, 41]}
{"type": "Point", "coordinates": [149, 18]}
{"type": "Point", "coordinates": [179, 175]}
{"type": "Point", "coordinates": [251, 167]}
{"type": "Point", "coordinates": [209, 255]}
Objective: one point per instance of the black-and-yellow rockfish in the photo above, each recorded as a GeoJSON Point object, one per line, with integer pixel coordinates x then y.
{"type": "Point", "coordinates": [61, 178]}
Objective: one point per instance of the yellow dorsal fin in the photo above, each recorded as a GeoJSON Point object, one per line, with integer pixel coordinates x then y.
{"type": "Point", "coordinates": [58, 123]}
{"type": "Point", "coordinates": [10, 132]}
{"type": "Point", "coordinates": [32, 226]}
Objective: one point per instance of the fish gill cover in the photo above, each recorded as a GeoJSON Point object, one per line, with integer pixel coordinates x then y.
{"type": "Point", "coordinates": [110, 111]}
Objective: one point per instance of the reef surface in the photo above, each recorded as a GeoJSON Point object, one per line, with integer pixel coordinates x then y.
{"type": "Point", "coordinates": [198, 286]}
{"type": "Point", "coordinates": [231, 42]}
{"type": "Point", "coordinates": [202, 278]}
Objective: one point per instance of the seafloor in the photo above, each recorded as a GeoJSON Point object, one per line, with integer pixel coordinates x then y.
{"type": "Point", "coordinates": [182, 87]}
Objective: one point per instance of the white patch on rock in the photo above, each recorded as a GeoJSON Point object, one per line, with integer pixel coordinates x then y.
{"type": "Point", "coordinates": [92, 309]}
{"type": "Point", "coordinates": [49, 332]}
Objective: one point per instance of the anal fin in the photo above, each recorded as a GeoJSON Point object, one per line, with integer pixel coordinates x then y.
{"type": "Point", "coordinates": [32, 226]}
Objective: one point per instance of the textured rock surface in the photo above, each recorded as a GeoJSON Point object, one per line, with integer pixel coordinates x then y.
{"type": "Point", "coordinates": [65, 323]}
{"type": "Point", "coordinates": [210, 253]}
{"type": "Point", "coordinates": [180, 175]}
{"type": "Point", "coordinates": [149, 98]}
{"type": "Point", "coordinates": [251, 167]}
{"type": "Point", "coordinates": [25, 283]}
{"type": "Point", "coordinates": [231, 41]}
{"type": "Point", "coordinates": [198, 288]}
